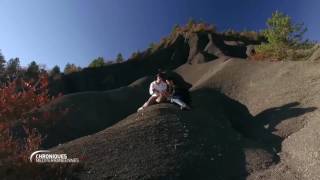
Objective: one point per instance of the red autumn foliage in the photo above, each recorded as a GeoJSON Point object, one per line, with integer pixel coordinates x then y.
{"type": "Point", "coordinates": [20, 97]}
{"type": "Point", "coordinates": [17, 100]}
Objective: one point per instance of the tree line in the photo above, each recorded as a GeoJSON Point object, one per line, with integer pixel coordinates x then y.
{"type": "Point", "coordinates": [12, 69]}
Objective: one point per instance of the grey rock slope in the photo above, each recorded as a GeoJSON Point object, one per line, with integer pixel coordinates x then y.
{"type": "Point", "coordinates": [285, 98]}
{"type": "Point", "coordinates": [250, 120]}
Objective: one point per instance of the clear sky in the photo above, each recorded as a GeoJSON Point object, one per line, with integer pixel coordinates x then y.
{"type": "Point", "coordinates": [59, 31]}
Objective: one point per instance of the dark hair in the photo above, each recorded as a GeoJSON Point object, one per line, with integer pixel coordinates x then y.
{"type": "Point", "coordinates": [170, 78]}
{"type": "Point", "coordinates": [161, 75]}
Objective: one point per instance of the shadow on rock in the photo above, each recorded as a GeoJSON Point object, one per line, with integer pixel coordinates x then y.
{"type": "Point", "coordinates": [215, 148]}
{"type": "Point", "coordinates": [265, 122]}
{"type": "Point", "coordinates": [226, 130]}
{"type": "Point", "coordinates": [261, 127]}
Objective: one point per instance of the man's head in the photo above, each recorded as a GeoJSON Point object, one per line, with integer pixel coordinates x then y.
{"type": "Point", "coordinates": [160, 77]}
{"type": "Point", "coordinates": [170, 80]}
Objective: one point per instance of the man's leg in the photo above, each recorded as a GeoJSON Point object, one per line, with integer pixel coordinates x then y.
{"type": "Point", "coordinates": [161, 98]}
{"type": "Point", "coordinates": [151, 101]}
{"type": "Point", "coordinates": [180, 103]}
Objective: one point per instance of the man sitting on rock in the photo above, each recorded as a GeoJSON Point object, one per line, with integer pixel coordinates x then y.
{"type": "Point", "coordinates": [177, 94]}
{"type": "Point", "coordinates": [157, 90]}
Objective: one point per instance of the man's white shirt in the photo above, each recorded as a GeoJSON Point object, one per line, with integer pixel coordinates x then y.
{"type": "Point", "coordinates": [161, 87]}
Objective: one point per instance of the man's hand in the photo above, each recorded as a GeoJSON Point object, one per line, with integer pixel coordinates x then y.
{"type": "Point", "coordinates": [155, 91]}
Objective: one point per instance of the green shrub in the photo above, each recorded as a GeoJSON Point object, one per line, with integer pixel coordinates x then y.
{"type": "Point", "coordinates": [284, 38]}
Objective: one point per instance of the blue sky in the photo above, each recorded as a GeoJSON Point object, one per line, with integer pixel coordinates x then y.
{"type": "Point", "coordinates": [59, 31]}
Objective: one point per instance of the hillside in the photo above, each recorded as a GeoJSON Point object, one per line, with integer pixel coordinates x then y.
{"type": "Point", "coordinates": [178, 49]}
{"type": "Point", "coordinates": [249, 119]}
{"type": "Point", "coordinates": [258, 132]}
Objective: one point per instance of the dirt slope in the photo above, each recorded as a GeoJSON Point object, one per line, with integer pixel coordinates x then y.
{"type": "Point", "coordinates": [284, 97]}
{"type": "Point", "coordinates": [164, 142]}
{"type": "Point", "coordinates": [88, 112]}
{"type": "Point", "coordinates": [250, 120]}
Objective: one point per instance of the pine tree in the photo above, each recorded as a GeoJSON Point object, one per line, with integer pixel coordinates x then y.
{"type": "Point", "coordinates": [71, 68]}
{"type": "Point", "coordinates": [119, 58]}
{"type": "Point", "coordinates": [33, 70]}
{"type": "Point", "coordinates": [55, 70]}
{"type": "Point", "coordinates": [98, 62]}
{"type": "Point", "coordinates": [13, 67]}
{"type": "Point", "coordinates": [282, 35]}
{"type": "Point", "coordinates": [2, 63]}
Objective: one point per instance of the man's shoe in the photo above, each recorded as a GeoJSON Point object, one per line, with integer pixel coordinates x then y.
{"type": "Point", "coordinates": [140, 109]}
